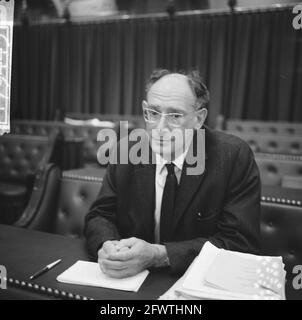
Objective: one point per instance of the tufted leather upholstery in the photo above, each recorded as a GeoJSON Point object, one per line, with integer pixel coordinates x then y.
{"type": "Point", "coordinates": [20, 159]}
{"type": "Point", "coordinates": [20, 155]}
{"type": "Point", "coordinates": [281, 234]}
{"type": "Point", "coordinates": [32, 127]}
{"type": "Point", "coordinates": [266, 127]}
{"type": "Point", "coordinates": [273, 167]}
{"type": "Point", "coordinates": [90, 132]}
{"type": "Point", "coordinates": [83, 135]}
{"type": "Point", "coordinates": [78, 189]}
{"type": "Point", "coordinates": [292, 182]}
{"type": "Point", "coordinates": [89, 135]}
{"type": "Point", "coordinates": [269, 143]}
{"type": "Point", "coordinates": [281, 231]}
{"type": "Point", "coordinates": [69, 151]}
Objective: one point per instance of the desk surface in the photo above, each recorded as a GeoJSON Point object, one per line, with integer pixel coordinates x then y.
{"type": "Point", "coordinates": [23, 252]}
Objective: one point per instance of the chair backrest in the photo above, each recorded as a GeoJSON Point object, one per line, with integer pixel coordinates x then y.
{"type": "Point", "coordinates": [281, 229]}
{"type": "Point", "coordinates": [266, 127]}
{"type": "Point", "coordinates": [21, 155]}
{"type": "Point", "coordinates": [90, 136]}
{"type": "Point", "coordinates": [71, 133]}
{"type": "Point", "coordinates": [35, 127]}
{"type": "Point", "coordinates": [292, 182]}
{"type": "Point", "coordinates": [274, 168]}
{"type": "Point", "coordinates": [134, 121]}
{"type": "Point", "coordinates": [269, 143]}
{"type": "Point", "coordinates": [78, 190]}
{"type": "Point", "coordinates": [281, 222]}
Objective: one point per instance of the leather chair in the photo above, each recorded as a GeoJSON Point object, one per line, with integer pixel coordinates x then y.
{"type": "Point", "coordinates": [79, 140]}
{"type": "Point", "coordinates": [269, 143]}
{"type": "Point", "coordinates": [89, 126]}
{"type": "Point", "coordinates": [39, 211]}
{"type": "Point", "coordinates": [291, 182]}
{"type": "Point", "coordinates": [35, 127]}
{"type": "Point", "coordinates": [266, 127]}
{"type": "Point", "coordinates": [78, 189]}
{"type": "Point", "coordinates": [275, 169]}
{"type": "Point", "coordinates": [89, 134]}
{"type": "Point", "coordinates": [63, 200]}
{"type": "Point", "coordinates": [69, 150]}
{"type": "Point", "coordinates": [22, 159]}
{"type": "Point", "coordinates": [281, 222]}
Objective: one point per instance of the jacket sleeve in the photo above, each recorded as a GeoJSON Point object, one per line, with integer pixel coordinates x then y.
{"type": "Point", "coordinates": [100, 222]}
{"type": "Point", "coordinates": [238, 227]}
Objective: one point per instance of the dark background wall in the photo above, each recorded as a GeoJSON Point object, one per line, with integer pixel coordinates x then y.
{"type": "Point", "coordinates": [251, 62]}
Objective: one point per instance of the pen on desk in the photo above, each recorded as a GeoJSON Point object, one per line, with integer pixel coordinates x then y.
{"type": "Point", "coordinates": [45, 269]}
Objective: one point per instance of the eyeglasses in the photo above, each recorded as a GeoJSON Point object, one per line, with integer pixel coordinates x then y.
{"type": "Point", "coordinates": [173, 119]}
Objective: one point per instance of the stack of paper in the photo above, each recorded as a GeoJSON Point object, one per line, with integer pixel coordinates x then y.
{"type": "Point", "coordinates": [223, 274]}
{"type": "Point", "coordinates": [90, 274]}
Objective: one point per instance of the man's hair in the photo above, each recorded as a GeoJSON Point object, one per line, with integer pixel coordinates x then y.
{"type": "Point", "coordinates": [195, 82]}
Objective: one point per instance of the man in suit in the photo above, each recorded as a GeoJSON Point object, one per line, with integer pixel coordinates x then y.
{"type": "Point", "coordinates": [157, 215]}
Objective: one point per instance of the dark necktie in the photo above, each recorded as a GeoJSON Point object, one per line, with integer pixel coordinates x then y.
{"type": "Point", "coordinates": [167, 204]}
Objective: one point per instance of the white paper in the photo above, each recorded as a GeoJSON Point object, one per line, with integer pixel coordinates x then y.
{"type": "Point", "coordinates": [193, 284]}
{"type": "Point", "coordinates": [89, 274]}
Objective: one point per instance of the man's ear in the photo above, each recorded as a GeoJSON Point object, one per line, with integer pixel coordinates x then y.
{"type": "Point", "coordinates": [144, 104]}
{"type": "Point", "coordinates": [201, 116]}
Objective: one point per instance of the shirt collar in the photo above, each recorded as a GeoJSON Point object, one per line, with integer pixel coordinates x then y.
{"type": "Point", "coordinates": [178, 162]}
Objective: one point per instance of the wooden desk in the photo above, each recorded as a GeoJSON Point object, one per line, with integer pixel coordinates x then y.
{"type": "Point", "coordinates": [23, 252]}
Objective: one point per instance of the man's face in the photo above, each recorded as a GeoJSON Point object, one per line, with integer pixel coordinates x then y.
{"type": "Point", "coordinates": [171, 94]}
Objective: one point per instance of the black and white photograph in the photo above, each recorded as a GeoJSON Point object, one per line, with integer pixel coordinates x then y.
{"type": "Point", "coordinates": [150, 150]}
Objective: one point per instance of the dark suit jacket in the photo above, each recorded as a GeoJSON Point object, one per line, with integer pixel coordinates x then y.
{"type": "Point", "coordinates": [222, 205]}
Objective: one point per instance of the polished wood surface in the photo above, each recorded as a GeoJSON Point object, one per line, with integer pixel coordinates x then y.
{"type": "Point", "coordinates": [23, 252]}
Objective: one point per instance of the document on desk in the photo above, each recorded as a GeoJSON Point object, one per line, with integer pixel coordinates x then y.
{"type": "Point", "coordinates": [222, 274]}
{"type": "Point", "coordinates": [239, 273]}
{"type": "Point", "coordinates": [89, 274]}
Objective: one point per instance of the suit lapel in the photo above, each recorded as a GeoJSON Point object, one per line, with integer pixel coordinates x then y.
{"type": "Point", "coordinates": [188, 187]}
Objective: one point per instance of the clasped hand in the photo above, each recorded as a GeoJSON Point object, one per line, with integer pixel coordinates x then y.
{"type": "Point", "coordinates": [125, 258]}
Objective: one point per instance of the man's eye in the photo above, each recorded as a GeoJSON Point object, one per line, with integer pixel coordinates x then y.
{"type": "Point", "coordinates": [176, 116]}
{"type": "Point", "coordinates": [152, 113]}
